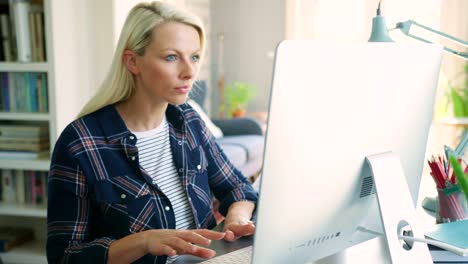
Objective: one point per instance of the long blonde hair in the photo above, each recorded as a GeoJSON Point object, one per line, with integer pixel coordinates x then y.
{"type": "Point", "coordinates": [136, 36]}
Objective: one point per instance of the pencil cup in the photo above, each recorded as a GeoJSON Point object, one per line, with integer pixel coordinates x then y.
{"type": "Point", "coordinates": [452, 206]}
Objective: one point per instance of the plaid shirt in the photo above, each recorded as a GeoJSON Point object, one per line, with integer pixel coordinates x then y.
{"type": "Point", "coordinates": [98, 192]}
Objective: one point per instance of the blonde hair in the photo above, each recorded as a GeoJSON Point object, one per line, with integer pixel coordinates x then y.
{"type": "Point", "coordinates": [136, 36]}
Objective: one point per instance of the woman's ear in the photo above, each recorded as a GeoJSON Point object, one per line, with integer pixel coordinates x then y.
{"type": "Point", "coordinates": [129, 59]}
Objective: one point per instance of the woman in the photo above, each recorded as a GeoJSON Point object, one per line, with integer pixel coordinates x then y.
{"type": "Point", "coordinates": [131, 179]}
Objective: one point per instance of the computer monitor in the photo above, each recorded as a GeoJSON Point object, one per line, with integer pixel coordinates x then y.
{"type": "Point", "coordinates": [331, 106]}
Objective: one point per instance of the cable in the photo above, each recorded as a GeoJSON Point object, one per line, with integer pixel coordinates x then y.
{"type": "Point", "coordinates": [459, 251]}
{"type": "Point", "coordinates": [378, 8]}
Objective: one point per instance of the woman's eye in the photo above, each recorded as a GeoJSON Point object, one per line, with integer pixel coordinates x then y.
{"type": "Point", "coordinates": [171, 57]}
{"type": "Point", "coordinates": [195, 58]}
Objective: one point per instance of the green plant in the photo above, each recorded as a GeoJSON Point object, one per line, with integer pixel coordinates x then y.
{"type": "Point", "coordinates": [238, 95]}
{"type": "Point", "coordinates": [458, 96]}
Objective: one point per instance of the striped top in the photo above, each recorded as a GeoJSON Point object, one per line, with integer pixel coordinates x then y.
{"type": "Point", "coordinates": [156, 159]}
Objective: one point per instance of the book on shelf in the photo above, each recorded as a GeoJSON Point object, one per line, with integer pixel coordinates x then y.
{"type": "Point", "coordinates": [19, 130]}
{"type": "Point", "coordinates": [24, 92]}
{"type": "Point", "coordinates": [19, 146]}
{"type": "Point", "coordinates": [24, 187]}
{"type": "Point", "coordinates": [24, 155]}
{"type": "Point", "coordinates": [20, 186]}
{"type": "Point", "coordinates": [20, 17]}
{"type": "Point", "coordinates": [11, 237]}
{"type": "Point", "coordinates": [6, 37]}
{"type": "Point", "coordinates": [8, 186]}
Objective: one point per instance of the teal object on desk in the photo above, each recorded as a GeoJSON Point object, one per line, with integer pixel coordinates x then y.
{"type": "Point", "coordinates": [454, 233]}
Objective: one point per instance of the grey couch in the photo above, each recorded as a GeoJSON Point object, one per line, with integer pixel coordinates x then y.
{"type": "Point", "coordinates": [243, 139]}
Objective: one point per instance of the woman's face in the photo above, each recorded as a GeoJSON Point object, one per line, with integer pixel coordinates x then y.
{"type": "Point", "coordinates": [168, 68]}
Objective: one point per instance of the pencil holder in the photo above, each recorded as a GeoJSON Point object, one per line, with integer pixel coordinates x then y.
{"type": "Point", "coordinates": [452, 205]}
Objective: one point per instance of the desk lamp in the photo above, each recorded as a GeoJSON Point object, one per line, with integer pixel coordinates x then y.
{"type": "Point", "coordinates": [379, 33]}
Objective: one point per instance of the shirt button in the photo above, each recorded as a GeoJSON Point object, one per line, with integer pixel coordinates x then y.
{"type": "Point", "coordinates": [167, 208]}
{"type": "Point", "coordinates": [123, 196]}
{"type": "Point", "coordinates": [133, 157]}
{"type": "Point", "coordinates": [180, 143]}
{"type": "Point", "coordinates": [132, 137]}
{"type": "Point", "coordinates": [199, 166]}
{"type": "Point", "coordinates": [181, 170]}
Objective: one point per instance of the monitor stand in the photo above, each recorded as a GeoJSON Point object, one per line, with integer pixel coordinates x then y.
{"type": "Point", "coordinates": [396, 208]}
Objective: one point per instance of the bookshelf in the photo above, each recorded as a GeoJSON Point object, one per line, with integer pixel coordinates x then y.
{"type": "Point", "coordinates": [26, 214]}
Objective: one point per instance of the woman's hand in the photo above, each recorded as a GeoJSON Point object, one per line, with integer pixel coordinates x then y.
{"type": "Point", "coordinates": [179, 242]}
{"type": "Point", "coordinates": [237, 222]}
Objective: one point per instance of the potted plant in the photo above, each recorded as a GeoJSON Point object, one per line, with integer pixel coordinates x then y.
{"type": "Point", "coordinates": [238, 95]}
{"type": "Point", "coordinates": [458, 96]}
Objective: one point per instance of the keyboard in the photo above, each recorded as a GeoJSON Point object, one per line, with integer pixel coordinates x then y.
{"type": "Point", "coordinates": [241, 256]}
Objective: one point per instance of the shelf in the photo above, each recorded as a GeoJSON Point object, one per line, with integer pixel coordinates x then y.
{"type": "Point", "coordinates": [24, 116]}
{"type": "Point", "coordinates": [23, 210]}
{"type": "Point", "coordinates": [454, 121]}
{"type": "Point", "coordinates": [32, 252]}
{"type": "Point", "coordinates": [25, 164]}
{"type": "Point", "coordinates": [24, 67]}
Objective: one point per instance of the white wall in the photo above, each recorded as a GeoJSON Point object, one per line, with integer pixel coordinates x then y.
{"type": "Point", "coordinates": [80, 55]}
{"type": "Point", "coordinates": [252, 29]}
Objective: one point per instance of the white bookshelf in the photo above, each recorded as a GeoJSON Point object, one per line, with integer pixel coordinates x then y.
{"type": "Point", "coordinates": [29, 253]}
{"type": "Point", "coordinates": [26, 210]}
{"type": "Point", "coordinates": [28, 215]}
{"type": "Point", "coordinates": [24, 116]}
{"type": "Point", "coordinates": [25, 67]}
{"type": "Point", "coordinates": [25, 164]}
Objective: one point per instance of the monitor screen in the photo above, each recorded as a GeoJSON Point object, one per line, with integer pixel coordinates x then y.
{"type": "Point", "coordinates": [331, 106]}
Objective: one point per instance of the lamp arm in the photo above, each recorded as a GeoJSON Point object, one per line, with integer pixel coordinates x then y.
{"type": "Point", "coordinates": [405, 28]}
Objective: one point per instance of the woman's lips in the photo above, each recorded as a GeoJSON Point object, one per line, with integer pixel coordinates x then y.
{"type": "Point", "coordinates": [183, 89]}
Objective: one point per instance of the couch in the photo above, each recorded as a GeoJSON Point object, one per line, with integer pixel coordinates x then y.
{"type": "Point", "coordinates": [242, 140]}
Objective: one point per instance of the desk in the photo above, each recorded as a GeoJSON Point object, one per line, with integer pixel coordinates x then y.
{"type": "Point", "coordinates": [367, 252]}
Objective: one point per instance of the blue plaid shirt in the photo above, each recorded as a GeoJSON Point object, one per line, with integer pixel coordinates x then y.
{"type": "Point", "coordinates": [99, 193]}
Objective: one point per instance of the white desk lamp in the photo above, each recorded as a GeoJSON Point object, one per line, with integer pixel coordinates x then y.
{"type": "Point", "coordinates": [379, 33]}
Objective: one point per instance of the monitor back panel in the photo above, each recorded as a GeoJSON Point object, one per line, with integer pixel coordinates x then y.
{"type": "Point", "coordinates": [331, 106]}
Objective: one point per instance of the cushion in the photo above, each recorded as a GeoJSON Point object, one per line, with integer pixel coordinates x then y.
{"type": "Point", "coordinates": [216, 131]}
{"type": "Point", "coordinates": [252, 144]}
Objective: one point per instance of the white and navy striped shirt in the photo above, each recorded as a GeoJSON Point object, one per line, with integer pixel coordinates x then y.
{"type": "Point", "coordinates": [156, 159]}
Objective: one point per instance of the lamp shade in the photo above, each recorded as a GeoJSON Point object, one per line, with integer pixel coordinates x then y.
{"type": "Point", "coordinates": [379, 31]}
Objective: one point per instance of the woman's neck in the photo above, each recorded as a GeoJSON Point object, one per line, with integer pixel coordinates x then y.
{"type": "Point", "coordinates": [141, 116]}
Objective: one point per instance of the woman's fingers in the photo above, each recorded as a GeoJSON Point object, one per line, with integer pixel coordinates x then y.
{"type": "Point", "coordinates": [167, 250]}
{"type": "Point", "coordinates": [210, 234]}
{"type": "Point", "coordinates": [194, 237]}
{"type": "Point", "coordinates": [185, 247]}
{"type": "Point", "coordinates": [234, 231]}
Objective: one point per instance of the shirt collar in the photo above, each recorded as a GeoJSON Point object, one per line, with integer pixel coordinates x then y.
{"type": "Point", "coordinates": [114, 127]}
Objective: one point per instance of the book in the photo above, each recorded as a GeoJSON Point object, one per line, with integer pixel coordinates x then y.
{"type": "Point", "coordinates": [35, 147]}
{"type": "Point", "coordinates": [8, 187]}
{"type": "Point", "coordinates": [23, 43]}
{"type": "Point", "coordinates": [33, 35]}
{"type": "Point", "coordinates": [24, 155]}
{"type": "Point", "coordinates": [20, 187]}
{"type": "Point", "coordinates": [40, 36]}
{"type": "Point", "coordinates": [11, 237]}
{"type": "Point", "coordinates": [6, 37]}
{"type": "Point", "coordinates": [18, 130]}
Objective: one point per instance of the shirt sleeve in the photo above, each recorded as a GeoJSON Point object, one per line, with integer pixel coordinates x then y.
{"type": "Point", "coordinates": [228, 184]}
{"type": "Point", "coordinates": [68, 212]}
